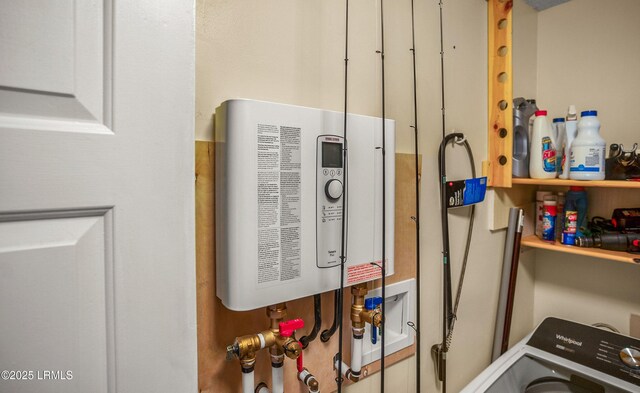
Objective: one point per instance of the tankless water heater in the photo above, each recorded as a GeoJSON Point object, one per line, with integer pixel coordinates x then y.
{"type": "Point", "coordinates": [279, 199]}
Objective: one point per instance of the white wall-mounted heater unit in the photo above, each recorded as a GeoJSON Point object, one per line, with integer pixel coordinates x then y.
{"type": "Point", "coordinates": [279, 200]}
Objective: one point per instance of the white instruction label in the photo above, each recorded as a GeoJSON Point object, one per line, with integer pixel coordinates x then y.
{"type": "Point", "coordinates": [278, 203]}
{"type": "Point", "coordinates": [587, 159]}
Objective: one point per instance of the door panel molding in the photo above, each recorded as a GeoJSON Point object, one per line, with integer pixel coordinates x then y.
{"type": "Point", "coordinates": [70, 88]}
{"type": "Point", "coordinates": [55, 256]}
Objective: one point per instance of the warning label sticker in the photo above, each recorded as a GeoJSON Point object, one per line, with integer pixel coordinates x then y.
{"type": "Point", "coordinates": [278, 203]}
{"type": "Point", "coordinates": [363, 272]}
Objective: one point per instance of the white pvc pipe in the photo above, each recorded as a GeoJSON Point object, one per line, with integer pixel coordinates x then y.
{"type": "Point", "coordinates": [263, 389]}
{"type": "Point", "coordinates": [345, 368]}
{"type": "Point", "coordinates": [277, 376]}
{"type": "Point", "coordinates": [247, 382]}
{"type": "Point", "coordinates": [304, 374]}
{"type": "Point", "coordinates": [356, 354]}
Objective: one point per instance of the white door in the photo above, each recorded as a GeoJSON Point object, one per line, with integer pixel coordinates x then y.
{"type": "Point", "coordinates": [97, 278]}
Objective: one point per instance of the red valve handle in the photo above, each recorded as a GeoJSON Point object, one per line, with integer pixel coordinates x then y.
{"type": "Point", "coordinates": [287, 328]}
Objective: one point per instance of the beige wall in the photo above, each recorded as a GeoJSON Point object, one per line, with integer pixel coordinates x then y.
{"type": "Point", "coordinates": [589, 54]}
{"type": "Point", "coordinates": [292, 52]}
{"type": "Point", "coordinates": [584, 52]}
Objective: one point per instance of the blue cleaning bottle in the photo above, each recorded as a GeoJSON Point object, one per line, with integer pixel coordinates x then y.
{"type": "Point", "coordinates": [577, 196]}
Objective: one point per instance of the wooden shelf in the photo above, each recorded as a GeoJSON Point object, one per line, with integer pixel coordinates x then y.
{"type": "Point", "coordinates": [535, 242]}
{"type": "Point", "coordinates": [566, 183]}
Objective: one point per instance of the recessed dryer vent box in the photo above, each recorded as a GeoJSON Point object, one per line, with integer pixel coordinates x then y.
{"type": "Point", "coordinates": [279, 187]}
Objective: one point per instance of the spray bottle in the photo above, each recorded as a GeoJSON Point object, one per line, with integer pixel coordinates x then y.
{"type": "Point", "coordinates": [571, 129]}
{"type": "Point", "coordinates": [542, 163]}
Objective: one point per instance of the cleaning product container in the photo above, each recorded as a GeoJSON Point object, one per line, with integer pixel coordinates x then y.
{"type": "Point", "coordinates": [542, 161]}
{"type": "Point", "coordinates": [570, 132]}
{"type": "Point", "coordinates": [522, 112]}
{"type": "Point", "coordinates": [576, 198]}
{"type": "Point", "coordinates": [550, 206]}
{"type": "Point", "coordinates": [540, 196]}
{"type": "Point", "coordinates": [588, 149]}
{"type": "Point", "coordinates": [570, 223]}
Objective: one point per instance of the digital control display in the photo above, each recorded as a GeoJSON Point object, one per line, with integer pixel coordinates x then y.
{"type": "Point", "coordinates": [331, 155]}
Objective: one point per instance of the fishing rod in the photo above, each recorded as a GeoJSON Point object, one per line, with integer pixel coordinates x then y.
{"type": "Point", "coordinates": [442, 70]}
{"type": "Point", "coordinates": [343, 256]}
{"type": "Point", "coordinates": [384, 202]}
{"type": "Point", "coordinates": [417, 184]}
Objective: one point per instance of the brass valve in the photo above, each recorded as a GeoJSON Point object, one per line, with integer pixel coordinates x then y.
{"type": "Point", "coordinates": [357, 306]}
{"type": "Point", "coordinates": [292, 348]}
{"type": "Point", "coordinates": [373, 317]}
{"type": "Point", "coordinates": [359, 315]}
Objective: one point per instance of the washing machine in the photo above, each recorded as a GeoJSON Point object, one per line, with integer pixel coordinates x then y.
{"type": "Point", "coordinates": [563, 356]}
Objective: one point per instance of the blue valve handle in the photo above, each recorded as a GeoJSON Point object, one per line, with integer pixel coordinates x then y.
{"type": "Point", "coordinates": [371, 304]}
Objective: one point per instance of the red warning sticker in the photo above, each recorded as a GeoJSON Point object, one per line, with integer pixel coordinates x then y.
{"type": "Point", "coordinates": [363, 272]}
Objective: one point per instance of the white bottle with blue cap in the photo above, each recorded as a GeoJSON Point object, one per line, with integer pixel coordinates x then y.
{"type": "Point", "coordinates": [588, 149]}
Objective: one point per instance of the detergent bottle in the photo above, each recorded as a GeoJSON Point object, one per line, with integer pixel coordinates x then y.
{"type": "Point", "coordinates": [542, 161]}
{"type": "Point", "coordinates": [588, 149]}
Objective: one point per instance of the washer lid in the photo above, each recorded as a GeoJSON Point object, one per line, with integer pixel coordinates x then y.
{"type": "Point", "coordinates": [557, 385]}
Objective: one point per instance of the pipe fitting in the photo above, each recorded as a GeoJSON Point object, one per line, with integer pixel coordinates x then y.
{"type": "Point", "coordinates": [358, 292]}
{"type": "Point", "coordinates": [247, 363]}
{"type": "Point", "coordinates": [309, 380]}
{"type": "Point", "coordinates": [277, 312]}
{"type": "Point", "coordinates": [373, 317]}
{"type": "Point", "coordinates": [291, 347]}
{"type": "Point", "coordinates": [247, 346]}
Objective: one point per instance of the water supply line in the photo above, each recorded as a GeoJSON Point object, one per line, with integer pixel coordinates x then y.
{"type": "Point", "coordinates": [317, 322]}
{"type": "Point", "coordinates": [280, 341]}
{"type": "Point", "coordinates": [449, 311]}
{"type": "Point", "coordinates": [261, 388]}
{"type": "Point", "coordinates": [360, 316]}
{"type": "Point", "coordinates": [417, 185]}
{"type": "Point", "coordinates": [327, 333]}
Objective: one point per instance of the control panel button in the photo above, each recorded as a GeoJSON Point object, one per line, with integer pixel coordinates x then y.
{"type": "Point", "coordinates": [630, 357]}
{"type": "Point", "coordinates": [325, 172]}
{"type": "Point", "coordinates": [333, 189]}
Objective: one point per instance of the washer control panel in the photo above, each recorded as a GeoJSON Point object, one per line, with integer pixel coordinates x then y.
{"type": "Point", "coordinates": [329, 199]}
{"type": "Point", "coordinates": [602, 350]}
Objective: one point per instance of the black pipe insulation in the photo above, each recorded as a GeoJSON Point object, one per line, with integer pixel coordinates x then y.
{"type": "Point", "coordinates": [317, 311]}
{"type": "Point", "coordinates": [327, 333]}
